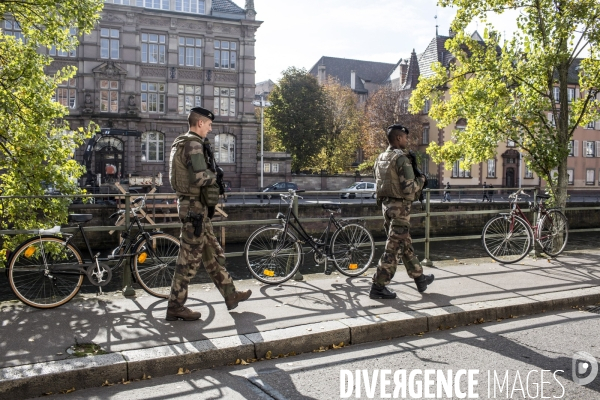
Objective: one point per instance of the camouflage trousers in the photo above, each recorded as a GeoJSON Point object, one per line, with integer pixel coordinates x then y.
{"type": "Point", "coordinates": [396, 214]}
{"type": "Point", "coordinates": [195, 250]}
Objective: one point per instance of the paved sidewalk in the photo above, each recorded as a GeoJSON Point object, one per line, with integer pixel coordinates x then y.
{"type": "Point", "coordinates": [296, 316]}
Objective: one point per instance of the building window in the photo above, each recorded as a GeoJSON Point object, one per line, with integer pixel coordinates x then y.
{"type": "Point", "coordinates": [458, 172]}
{"type": "Point", "coordinates": [426, 107]}
{"type": "Point", "coordinates": [13, 28]}
{"type": "Point", "coordinates": [275, 168]}
{"type": "Point", "coordinates": [153, 48]}
{"type": "Point", "coordinates": [570, 94]}
{"type": "Point", "coordinates": [190, 6]}
{"type": "Point", "coordinates": [158, 4]}
{"type": "Point", "coordinates": [190, 51]}
{"type": "Point", "coordinates": [109, 43]}
{"type": "Point", "coordinates": [571, 176]}
{"type": "Point", "coordinates": [224, 102]}
{"type": "Point", "coordinates": [556, 94]}
{"type": "Point", "coordinates": [188, 96]}
{"type": "Point", "coordinates": [590, 125]}
{"type": "Point", "coordinates": [426, 135]}
{"type": "Point", "coordinates": [109, 96]}
{"type": "Point", "coordinates": [589, 149]}
{"type": "Point", "coordinates": [510, 143]}
{"type": "Point", "coordinates": [225, 54]}
{"type": "Point", "coordinates": [225, 148]}
{"type": "Point", "coordinates": [153, 97]}
{"type": "Point", "coordinates": [62, 53]}
{"type": "Point", "coordinates": [528, 172]}
{"type": "Point", "coordinates": [153, 147]}
{"type": "Point", "coordinates": [589, 177]}
{"type": "Point", "coordinates": [491, 168]}
{"type": "Point", "coordinates": [124, 2]}
{"type": "Point", "coordinates": [66, 93]}
{"type": "Point", "coordinates": [510, 160]}
{"type": "Point", "coordinates": [267, 167]}
{"type": "Point", "coordinates": [573, 148]}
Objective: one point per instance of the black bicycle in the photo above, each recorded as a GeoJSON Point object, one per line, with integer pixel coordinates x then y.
{"type": "Point", "coordinates": [47, 271]}
{"type": "Point", "coordinates": [274, 253]}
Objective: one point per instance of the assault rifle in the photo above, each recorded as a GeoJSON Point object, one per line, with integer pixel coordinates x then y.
{"type": "Point", "coordinates": [214, 167]}
{"type": "Point", "coordinates": [413, 160]}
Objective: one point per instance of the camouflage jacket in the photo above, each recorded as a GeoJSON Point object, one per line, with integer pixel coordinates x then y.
{"type": "Point", "coordinates": [189, 171]}
{"type": "Point", "coordinates": [394, 176]}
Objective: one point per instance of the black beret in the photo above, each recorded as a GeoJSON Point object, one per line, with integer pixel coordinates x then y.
{"type": "Point", "coordinates": [397, 127]}
{"type": "Point", "coordinates": [203, 111]}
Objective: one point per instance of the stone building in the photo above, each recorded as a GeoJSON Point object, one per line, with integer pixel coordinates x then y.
{"type": "Point", "coordinates": [144, 66]}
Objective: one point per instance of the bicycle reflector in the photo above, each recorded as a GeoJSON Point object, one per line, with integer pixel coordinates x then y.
{"type": "Point", "coordinates": [142, 257]}
{"type": "Point", "coordinates": [269, 272]}
{"type": "Point", "coordinates": [29, 252]}
{"type": "Point", "coordinates": [353, 266]}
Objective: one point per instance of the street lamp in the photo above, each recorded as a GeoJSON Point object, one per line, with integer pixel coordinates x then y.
{"type": "Point", "coordinates": [262, 104]}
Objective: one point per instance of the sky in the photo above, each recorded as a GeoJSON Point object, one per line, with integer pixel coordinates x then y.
{"type": "Point", "coordinates": [299, 32]}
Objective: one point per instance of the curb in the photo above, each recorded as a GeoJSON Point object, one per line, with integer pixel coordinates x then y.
{"type": "Point", "coordinates": [36, 379]}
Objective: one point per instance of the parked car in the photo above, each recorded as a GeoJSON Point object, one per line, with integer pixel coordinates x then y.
{"type": "Point", "coordinates": [359, 189]}
{"type": "Point", "coordinates": [278, 187]}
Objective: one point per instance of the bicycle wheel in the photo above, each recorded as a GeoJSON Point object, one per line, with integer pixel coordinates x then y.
{"type": "Point", "coordinates": [154, 266]}
{"type": "Point", "coordinates": [271, 257]}
{"type": "Point", "coordinates": [37, 273]}
{"type": "Point", "coordinates": [506, 239]}
{"type": "Point", "coordinates": [352, 248]}
{"type": "Point", "coordinates": [553, 232]}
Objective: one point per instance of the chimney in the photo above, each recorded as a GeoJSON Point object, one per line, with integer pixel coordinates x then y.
{"type": "Point", "coordinates": [353, 80]}
{"type": "Point", "coordinates": [403, 71]}
{"type": "Point", "coordinates": [322, 75]}
{"type": "Point", "coordinates": [451, 33]}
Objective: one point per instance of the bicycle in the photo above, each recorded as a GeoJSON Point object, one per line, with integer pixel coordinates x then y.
{"type": "Point", "coordinates": [508, 236]}
{"type": "Point", "coordinates": [47, 271]}
{"type": "Point", "coordinates": [274, 253]}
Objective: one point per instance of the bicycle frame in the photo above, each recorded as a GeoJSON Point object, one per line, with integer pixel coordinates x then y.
{"type": "Point", "coordinates": [516, 210]}
{"type": "Point", "coordinates": [299, 229]}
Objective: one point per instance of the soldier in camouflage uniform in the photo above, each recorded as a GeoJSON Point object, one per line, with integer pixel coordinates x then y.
{"type": "Point", "coordinates": [196, 189]}
{"type": "Point", "coordinates": [397, 188]}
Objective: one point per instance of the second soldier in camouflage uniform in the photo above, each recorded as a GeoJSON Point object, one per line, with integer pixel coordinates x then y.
{"type": "Point", "coordinates": [397, 188]}
{"type": "Point", "coordinates": [196, 189]}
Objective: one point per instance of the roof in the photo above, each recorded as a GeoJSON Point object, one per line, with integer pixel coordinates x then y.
{"type": "Point", "coordinates": [435, 52]}
{"type": "Point", "coordinates": [341, 68]}
{"type": "Point", "coordinates": [413, 73]}
{"type": "Point", "coordinates": [226, 6]}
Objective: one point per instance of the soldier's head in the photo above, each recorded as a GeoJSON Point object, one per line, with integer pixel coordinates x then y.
{"type": "Point", "coordinates": [200, 121]}
{"type": "Point", "coordinates": [397, 136]}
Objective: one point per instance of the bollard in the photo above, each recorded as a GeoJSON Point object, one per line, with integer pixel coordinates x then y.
{"type": "Point", "coordinates": [427, 260]}
{"type": "Point", "coordinates": [127, 288]}
{"type": "Point", "coordinates": [298, 276]}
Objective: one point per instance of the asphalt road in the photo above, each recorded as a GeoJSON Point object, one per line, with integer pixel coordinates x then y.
{"type": "Point", "coordinates": [515, 351]}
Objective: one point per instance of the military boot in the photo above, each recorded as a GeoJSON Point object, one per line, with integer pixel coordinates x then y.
{"type": "Point", "coordinates": [184, 313]}
{"type": "Point", "coordinates": [236, 297]}
{"type": "Point", "coordinates": [423, 281]}
{"type": "Point", "coordinates": [381, 292]}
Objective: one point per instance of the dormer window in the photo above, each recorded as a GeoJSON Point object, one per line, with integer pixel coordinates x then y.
{"type": "Point", "coordinates": [191, 6]}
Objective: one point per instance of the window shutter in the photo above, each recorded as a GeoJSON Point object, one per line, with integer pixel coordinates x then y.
{"type": "Point", "coordinates": [575, 148]}
{"type": "Point", "coordinates": [550, 119]}
{"type": "Point", "coordinates": [598, 125]}
{"type": "Point", "coordinates": [597, 148]}
{"type": "Point", "coordinates": [584, 149]}
{"type": "Point", "coordinates": [576, 93]}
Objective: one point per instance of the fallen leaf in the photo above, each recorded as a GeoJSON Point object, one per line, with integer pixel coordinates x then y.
{"type": "Point", "coordinates": [244, 362]}
{"type": "Point", "coordinates": [238, 361]}
{"type": "Point", "coordinates": [268, 355]}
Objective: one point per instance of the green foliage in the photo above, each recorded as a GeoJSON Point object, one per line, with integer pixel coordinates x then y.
{"type": "Point", "coordinates": [36, 144]}
{"type": "Point", "coordinates": [297, 116]}
{"type": "Point", "coordinates": [505, 89]}
{"type": "Point", "coordinates": [343, 128]}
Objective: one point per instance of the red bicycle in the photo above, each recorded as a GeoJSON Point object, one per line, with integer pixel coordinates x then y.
{"type": "Point", "coordinates": [507, 237]}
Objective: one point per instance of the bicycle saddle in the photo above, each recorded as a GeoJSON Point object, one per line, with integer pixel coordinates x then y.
{"type": "Point", "coordinates": [80, 217]}
{"type": "Point", "coordinates": [331, 206]}
{"type": "Point", "coordinates": [543, 196]}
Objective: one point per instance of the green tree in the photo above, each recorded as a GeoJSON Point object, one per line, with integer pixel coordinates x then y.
{"type": "Point", "coordinates": [505, 89]}
{"type": "Point", "coordinates": [297, 116]}
{"type": "Point", "coordinates": [343, 129]}
{"type": "Point", "coordinates": [36, 144]}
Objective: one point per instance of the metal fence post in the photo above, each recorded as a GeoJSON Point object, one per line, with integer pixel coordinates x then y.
{"type": "Point", "coordinates": [298, 276]}
{"type": "Point", "coordinates": [537, 250]}
{"type": "Point", "coordinates": [127, 288]}
{"type": "Point", "coordinates": [427, 260]}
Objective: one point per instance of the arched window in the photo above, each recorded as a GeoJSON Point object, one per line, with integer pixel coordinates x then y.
{"type": "Point", "coordinates": [225, 148]}
{"type": "Point", "coordinates": [153, 147]}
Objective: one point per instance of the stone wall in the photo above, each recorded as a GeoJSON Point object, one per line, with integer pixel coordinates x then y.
{"type": "Point", "coordinates": [448, 225]}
